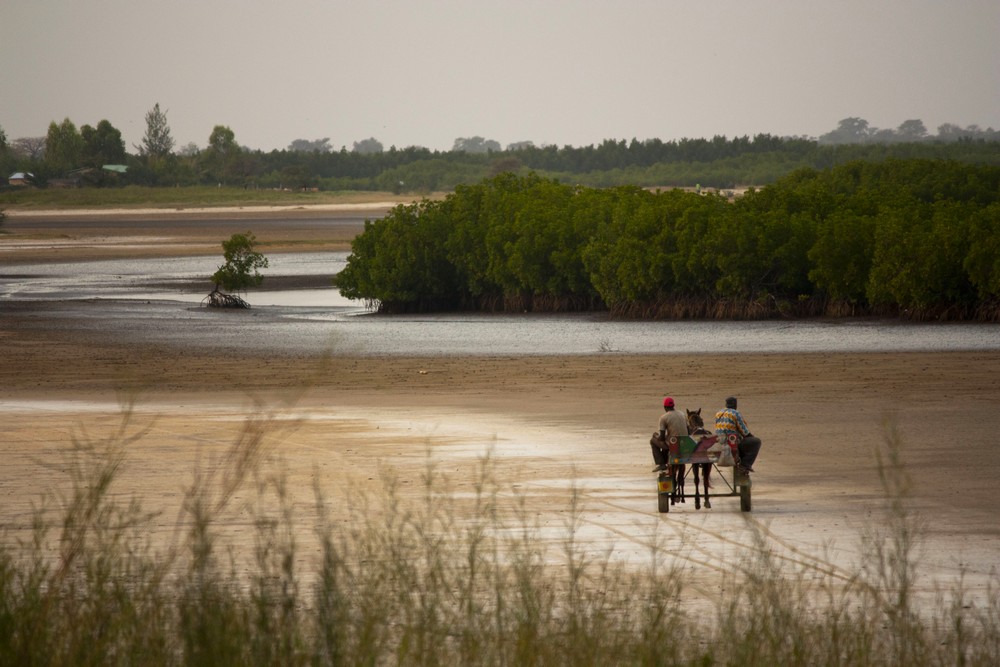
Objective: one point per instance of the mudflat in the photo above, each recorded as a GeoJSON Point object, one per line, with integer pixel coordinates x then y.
{"type": "Point", "coordinates": [552, 427]}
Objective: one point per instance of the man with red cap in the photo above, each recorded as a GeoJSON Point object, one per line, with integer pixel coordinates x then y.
{"type": "Point", "coordinates": [672, 422]}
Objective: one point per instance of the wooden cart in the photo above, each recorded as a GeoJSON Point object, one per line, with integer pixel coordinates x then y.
{"type": "Point", "coordinates": [687, 450]}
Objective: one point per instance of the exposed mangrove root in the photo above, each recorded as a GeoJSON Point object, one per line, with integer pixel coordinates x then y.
{"type": "Point", "coordinates": [217, 299]}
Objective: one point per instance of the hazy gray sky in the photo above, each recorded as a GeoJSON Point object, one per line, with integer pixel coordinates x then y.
{"type": "Point", "coordinates": [424, 72]}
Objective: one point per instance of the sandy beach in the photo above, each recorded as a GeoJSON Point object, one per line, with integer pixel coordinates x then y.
{"type": "Point", "coordinates": [550, 424]}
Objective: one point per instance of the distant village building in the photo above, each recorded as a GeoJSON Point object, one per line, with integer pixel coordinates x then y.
{"type": "Point", "coordinates": [20, 178]}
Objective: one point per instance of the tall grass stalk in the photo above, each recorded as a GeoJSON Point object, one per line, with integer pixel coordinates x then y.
{"type": "Point", "coordinates": [436, 576]}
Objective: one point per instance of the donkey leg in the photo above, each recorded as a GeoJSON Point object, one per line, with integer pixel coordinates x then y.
{"type": "Point", "coordinates": [708, 472]}
{"type": "Point", "coordinates": [673, 492]}
{"type": "Point", "coordinates": [697, 491]}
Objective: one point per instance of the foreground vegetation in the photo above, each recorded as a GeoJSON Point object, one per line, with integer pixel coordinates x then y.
{"type": "Point", "coordinates": [418, 581]}
{"type": "Point", "coordinates": [915, 238]}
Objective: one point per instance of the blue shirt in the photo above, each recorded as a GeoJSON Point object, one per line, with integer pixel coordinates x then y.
{"type": "Point", "coordinates": [730, 421]}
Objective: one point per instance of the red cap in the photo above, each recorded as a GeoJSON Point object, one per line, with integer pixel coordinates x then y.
{"type": "Point", "coordinates": [668, 402]}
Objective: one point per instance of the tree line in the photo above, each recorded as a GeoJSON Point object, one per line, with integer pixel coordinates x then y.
{"type": "Point", "coordinates": [914, 238]}
{"type": "Point", "coordinates": [720, 162]}
{"type": "Point", "coordinates": [856, 130]}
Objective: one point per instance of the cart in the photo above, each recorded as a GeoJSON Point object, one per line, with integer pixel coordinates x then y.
{"type": "Point", "coordinates": [687, 450]}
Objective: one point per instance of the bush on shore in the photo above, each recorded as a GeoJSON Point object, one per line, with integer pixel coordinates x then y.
{"type": "Point", "coordinates": [916, 239]}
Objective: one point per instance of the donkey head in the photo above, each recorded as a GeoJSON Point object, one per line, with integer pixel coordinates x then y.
{"type": "Point", "coordinates": [694, 420]}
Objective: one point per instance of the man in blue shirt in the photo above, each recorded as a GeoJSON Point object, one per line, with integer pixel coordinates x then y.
{"type": "Point", "coordinates": [730, 422]}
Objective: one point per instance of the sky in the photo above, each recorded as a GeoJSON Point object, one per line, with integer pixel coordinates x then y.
{"type": "Point", "coordinates": [425, 72]}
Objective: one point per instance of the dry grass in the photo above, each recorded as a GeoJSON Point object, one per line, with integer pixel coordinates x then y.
{"type": "Point", "coordinates": [407, 581]}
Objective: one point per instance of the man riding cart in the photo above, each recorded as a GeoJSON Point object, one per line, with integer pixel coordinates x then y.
{"type": "Point", "coordinates": [730, 422]}
{"type": "Point", "coordinates": [681, 444]}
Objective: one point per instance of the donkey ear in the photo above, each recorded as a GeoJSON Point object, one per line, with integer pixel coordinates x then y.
{"type": "Point", "coordinates": [698, 411]}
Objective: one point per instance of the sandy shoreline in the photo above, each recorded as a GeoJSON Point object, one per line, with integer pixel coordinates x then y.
{"type": "Point", "coordinates": [549, 421]}
{"type": "Point", "coordinates": [94, 234]}
{"type": "Point", "coordinates": [214, 211]}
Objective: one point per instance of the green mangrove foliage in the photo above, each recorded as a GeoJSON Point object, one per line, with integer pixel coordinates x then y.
{"type": "Point", "coordinates": [918, 238]}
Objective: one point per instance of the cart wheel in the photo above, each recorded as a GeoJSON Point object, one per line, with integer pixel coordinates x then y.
{"type": "Point", "coordinates": [663, 502]}
{"type": "Point", "coordinates": [745, 498]}
{"type": "Point", "coordinates": [664, 489]}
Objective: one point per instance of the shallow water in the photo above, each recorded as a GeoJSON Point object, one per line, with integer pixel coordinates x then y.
{"type": "Point", "coordinates": [157, 301]}
{"type": "Point", "coordinates": [183, 279]}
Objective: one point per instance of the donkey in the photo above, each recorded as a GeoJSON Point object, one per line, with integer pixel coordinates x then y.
{"type": "Point", "coordinates": [696, 426]}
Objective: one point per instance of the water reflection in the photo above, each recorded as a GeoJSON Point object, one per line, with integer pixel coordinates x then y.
{"type": "Point", "coordinates": [156, 301]}
{"type": "Point", "coordinates": [588, 334]}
